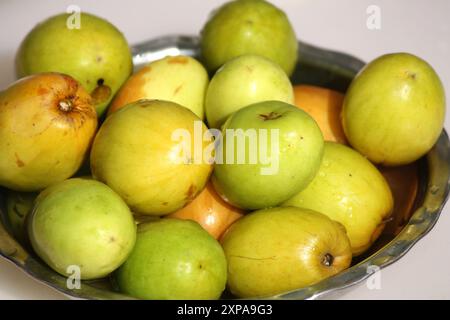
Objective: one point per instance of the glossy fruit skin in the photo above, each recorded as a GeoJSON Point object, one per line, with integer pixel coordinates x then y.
{"type": "Point", "coordinates": [18, 206]}
{"type": "Point", "coordinates": [249, 27]}
{"type": "Point", "coordinates": [350, 190]}
{"type": "Point", "coordinates": [394, 109]}
{"type": "Point", "coordinates": [96, 54]}
{"type": "Point", "coordinates": [82, 222]}
{"type": "Point", "coordinates": [299, 156]}
{"type": "Point", "coordinates": [174, 259]}
{"type": "Point", "coordinates": [243, 81]}
{"type": "Point", "coordinates": [325, 106]}
{"type": "Point", "coordinates": [280, 249]}
{"type": "Point", "coordinates": [135, 155]}
{"type": "Point", "coordinates": [208, 209]}
{"type": "Point", "coordinates": [40, 143]}
{"type": "Point", "coordinates": [179, 79]}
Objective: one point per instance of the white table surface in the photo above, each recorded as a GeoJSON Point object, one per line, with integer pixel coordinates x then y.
{"type": "Point", "coordinates": [421, 27]}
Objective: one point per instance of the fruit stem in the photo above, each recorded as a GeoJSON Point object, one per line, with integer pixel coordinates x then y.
{"type": "Point", "coordinates": [327, 260]}
{"type": "Point", "coordinates": [65, 105]}
{"type": "Point", "coordinates": [271, 116]}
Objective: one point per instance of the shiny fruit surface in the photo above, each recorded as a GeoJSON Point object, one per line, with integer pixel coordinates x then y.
{"type": "Point", "coordinates": [86, 47]}
{"type": "Point", "coordinates": [81, 223]}
{"type": "Point", "coordinates": [281, 249]}
{"type": "Point", "coordinates": [243, 81]}
{"type": "Point", "coordinates": [351, 190]}
{"type": "Point", "coordinates": [179, 79]}
{"type": "Point", "coordinates": [146, 152]}
{"type": "Point", "coordinates": [47, 124]}
{"type": "Point", "coordinates": [210, 211]}
{"type": "Point", "coordinates": [394, 109]}
{"type": "Point", "coordinates": [249, 27]}
{"type": "Point", "coordinates": [325, 106]}
{"type": "Point", "coordinates": [175, 260]}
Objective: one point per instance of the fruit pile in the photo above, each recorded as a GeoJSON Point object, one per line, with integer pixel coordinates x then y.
{"type": "Point", "coordinates": [191, 176]}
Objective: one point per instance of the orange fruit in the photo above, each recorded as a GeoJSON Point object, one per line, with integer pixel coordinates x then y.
{"type": "Point", "coordinates": [404, 184]}
{"type": "Point", "coordinates": [324, 106]}
{"type": "Point", "coordinates": [210, 211]}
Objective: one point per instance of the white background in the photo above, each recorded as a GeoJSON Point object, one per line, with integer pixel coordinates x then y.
{"type": "Point", "coordinates": [421, 27]}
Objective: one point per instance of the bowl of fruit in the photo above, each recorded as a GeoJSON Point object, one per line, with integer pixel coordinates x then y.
{"type": "Point", "coordinates": [240, 163]}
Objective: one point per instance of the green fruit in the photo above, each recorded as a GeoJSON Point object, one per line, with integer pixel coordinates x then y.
{"type": "Point", "coordinates": [96, 54]}
{"type": "Point", "coordinates": [174, 259]}
{"type": "Point", "coordinates": [242, 81]}
{"type": "Point", "coordinates": [136, 154]}
{"type": "Point", "coordinates": [350, 190]}
{"type": "Point", "coordinates": [18, 206]}
{"type": "Point", "coordinates": [82, 222]}
{"type": "Point", "coordinates": [293, 147]}
{"type": "Point", "coordinates": [394, 110]}
{"type": "Point", "coordinates": [179, 79]}
{"type": "Point", "coordinates": [249, 27]}
{"type": "Point", "coordinates": [281, 249]}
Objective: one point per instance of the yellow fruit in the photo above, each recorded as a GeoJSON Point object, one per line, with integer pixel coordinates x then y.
{"type": "Point", "coordinates": [394, 109]}
{"type": "Point", "coordinates": [281, 249]}
{"type": "Point", "coordinates": [136, 154]}
{"type": "Point", "coordinates": [47, 123]}
{"type": "Point", "coordinates": [179, 79]}
{"type": "Point", "coordinates": [349, 189]}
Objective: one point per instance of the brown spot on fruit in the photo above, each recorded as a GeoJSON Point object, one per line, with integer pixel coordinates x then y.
{"type": "Point", "coordinates": [411, 75]}
{"type": "Point", "coordinates": [177, 89]}
{"type": "Point", "coordinates": [178, 59]}
{"type": "Point", "coordinates": [112, 239]}
{"type": "Point", "coordinates": [42, 91]}
{"type": "Point", "coordinates": [99, 58]}
{"type": "Point", "coordinates": [190, 193]}
{"type": "Point", "coordinates": [71, 83]}
{"type": "Point", "coordinates": [165, 203]}
{"type": "Point", "coordinates": [19, 162]}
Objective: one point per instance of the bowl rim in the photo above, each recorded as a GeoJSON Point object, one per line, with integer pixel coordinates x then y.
{"type": "Point", "coordinates": [421, 222]}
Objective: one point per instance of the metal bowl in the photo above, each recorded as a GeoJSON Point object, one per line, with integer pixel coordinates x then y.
{"type": "Point", "coordinates": [316, 67]}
